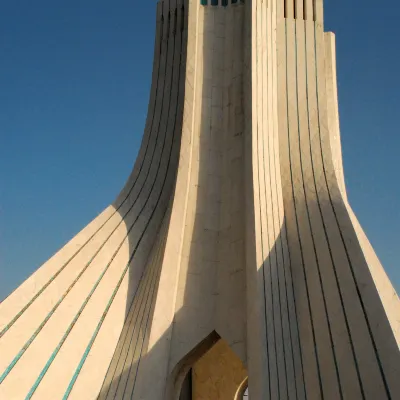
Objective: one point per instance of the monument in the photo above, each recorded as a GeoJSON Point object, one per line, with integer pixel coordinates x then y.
{"type": "Point", "coordinates": [231, 258]}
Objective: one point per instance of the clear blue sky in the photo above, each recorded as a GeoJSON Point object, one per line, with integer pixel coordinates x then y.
{"type": "Point", "coordinates": [74, 86]}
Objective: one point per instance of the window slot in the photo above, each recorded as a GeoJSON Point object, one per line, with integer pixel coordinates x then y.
{"type": "Point", "coordinates": [175, 21]}
{"type": "Point", "coordinates": [182, 18]}
{"type": "Point", "coordinates": [314, 10]}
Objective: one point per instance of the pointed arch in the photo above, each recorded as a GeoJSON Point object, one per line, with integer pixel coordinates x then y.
{"type": "Point", "coordinates": [242, 389]}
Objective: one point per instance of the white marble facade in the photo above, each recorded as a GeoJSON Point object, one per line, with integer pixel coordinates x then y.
{"type": "Point", "coordinates": [234, 225]}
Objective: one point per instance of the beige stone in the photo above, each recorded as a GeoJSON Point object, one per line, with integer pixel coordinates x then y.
{"type": "Point", "coordinates": [232, 252]}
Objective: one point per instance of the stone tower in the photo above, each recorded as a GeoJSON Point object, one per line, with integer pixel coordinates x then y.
{"type": "Point", "coordinates": [232, 252]}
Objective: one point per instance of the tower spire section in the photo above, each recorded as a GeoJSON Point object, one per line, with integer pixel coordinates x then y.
{"type": "Point", "coordinates": [232, 254]}
{"type": "Point", "coordinates": [302, 9]}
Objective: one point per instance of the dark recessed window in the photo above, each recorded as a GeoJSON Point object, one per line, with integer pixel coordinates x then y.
{"type": "Point", "coordinates": [223, 3]}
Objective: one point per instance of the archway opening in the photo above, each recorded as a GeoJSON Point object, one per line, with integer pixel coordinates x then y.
{"type": "Point", "coordinates": [217, 374]}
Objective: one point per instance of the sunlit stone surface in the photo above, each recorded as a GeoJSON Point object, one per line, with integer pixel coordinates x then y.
{"type": "Point", "coordinates": [232, 256]}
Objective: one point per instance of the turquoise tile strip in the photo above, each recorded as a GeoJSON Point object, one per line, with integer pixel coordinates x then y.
{"type": "Point", "coordinates": [32, 338]}
{"type": "Point", "coordinates": [12, 322]}
{"type": "Point", "coordinates": [57, 349]}
{"type": "Point", "coordinates": [49, 315]}
{"type": "Point", "coordinates": [20, 313]}
{"type": "Point", "coordinates": [88, 348]}
{"type": "Point", "coordinates": [55, 352]}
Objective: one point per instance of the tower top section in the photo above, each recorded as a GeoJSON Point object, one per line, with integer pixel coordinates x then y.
{"type": "Point", "coordinates": [303, 9]}
{"type": "Point", "coordinates": [222, 3]}
{"type": "Point", "coordinates": [290, 9]}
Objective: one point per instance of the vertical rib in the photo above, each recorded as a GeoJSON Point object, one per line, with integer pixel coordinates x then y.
{"type": "Point", "coordinates": [289, 9]}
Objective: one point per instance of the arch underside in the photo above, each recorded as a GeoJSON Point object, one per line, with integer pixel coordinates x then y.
{"type": "Point", "coordinates": [232, 250]}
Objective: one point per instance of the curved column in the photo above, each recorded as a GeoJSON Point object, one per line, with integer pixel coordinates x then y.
{"type": "Point", "coordinates": [234, 224]}
{"type": "Point", "coordinates": [387, 293]}
{"type": "Point", "coordinates": [347, 334]}
{"type": "Point", "coordinates": [62, 325]}
{"type": "Point", "coordinates": [277, 372]}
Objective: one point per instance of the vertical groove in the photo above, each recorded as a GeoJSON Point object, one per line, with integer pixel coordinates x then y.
{"type": "Point", "coordinates": [121, 343]}
{"type": "Point", "coordinates": [294, 332]}
{"type": "Point", "coordinates": [314, 10]}
{"type": "Point", "coordinates": [180, 75]}
{"type": "Point", "coordinates": [298, 231]}
{"type": "Point", "coordinates": [153, 298]}
{"type": "Point", "coordinates": [153, 211]}
{"type": "Point", "coordinates": [342, 238]}
{"type": "Point", "coordinates": [275, 150]}
{"type": "Point", "coordinates": [146, 136]}
{"type": "Point", "coordinates": [160, 58]}
{"type": "Point", "coordinates": [130, 355]}
{"type": "Point", "coordinates": [273, 246]}
{"type": "Point", "coordinates": [311, 230]}
{"type": "Point", "coordinates": [259, 197]}
{"type": "Point", "coordinates": [319, 255]}
{"type": "Point", "coordinates": [267, 258]}
{"type": "Point", "coordinates": [326, 234]}
{"type": "Point", "coordinates": [44, 322]}
{"type": "Point", "coordinates": [298, 344]}
{"type": "Point", "coordinates": [145, 284]}
{"type": "Point", "coordinates": [73, 380]}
